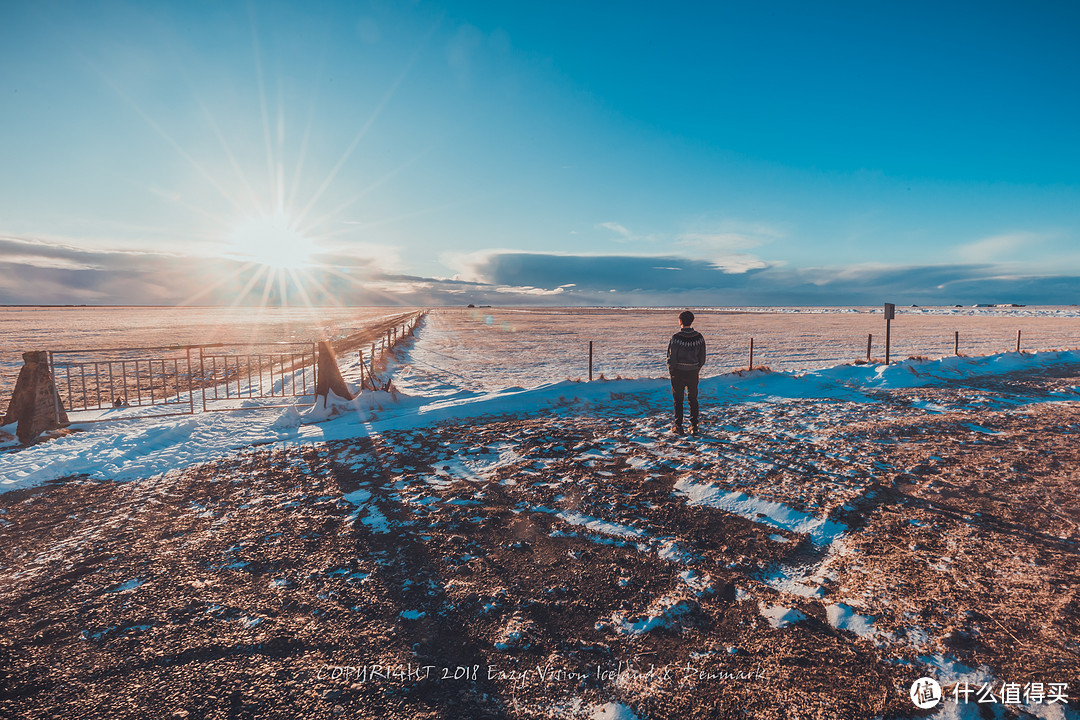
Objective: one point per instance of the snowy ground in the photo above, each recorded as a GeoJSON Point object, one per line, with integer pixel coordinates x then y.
{"type": "Point", "coordinates": [555, 552]}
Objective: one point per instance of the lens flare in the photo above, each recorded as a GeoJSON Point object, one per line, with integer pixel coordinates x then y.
{"type": "Point", "coordinates": [272, 241]}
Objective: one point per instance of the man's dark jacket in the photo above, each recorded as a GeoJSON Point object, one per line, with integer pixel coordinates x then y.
{"type": "Point", "coordinates": [686, 350]}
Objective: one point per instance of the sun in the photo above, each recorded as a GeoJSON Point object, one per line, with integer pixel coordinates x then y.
{"type": "Point", "coordinates": [270, 240]}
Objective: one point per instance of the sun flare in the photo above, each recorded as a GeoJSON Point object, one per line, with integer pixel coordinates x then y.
{"type": "Point", "coordinates": [272, 241]}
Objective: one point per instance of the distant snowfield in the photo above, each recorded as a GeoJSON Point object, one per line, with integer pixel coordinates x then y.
{"type": "Point", "coordinates": [441, 378]}
{"type": "Point", "coordinates": [485, 349]}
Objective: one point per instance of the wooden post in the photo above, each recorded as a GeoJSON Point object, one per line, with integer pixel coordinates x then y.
{"type": "Point", "coordinates": [1017, 341]}
{"type": "Point", "coordinates": [590, 361]}
{"type": "Point", "coordinates": [888, 338]}
{"type": "Point", "coordinates": [869, 343]}
{"type": "Point", "coordinates": [956, 342]}
{"type": "Point", "coordinates": [890, 313]}
{"type": "Point", "coordinates": [329, 375]}
{"type": "Point", "coordinates": [35, 400]}
{"type": "Point", "coordinates": [751, 366]}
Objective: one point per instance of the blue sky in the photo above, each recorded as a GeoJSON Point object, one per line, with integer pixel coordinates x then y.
{"type": "Point", "coordinates": [557, 153]}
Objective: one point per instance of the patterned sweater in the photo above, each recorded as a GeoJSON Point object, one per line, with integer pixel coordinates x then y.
{"type": "Point", "coordinates": [686, 350]}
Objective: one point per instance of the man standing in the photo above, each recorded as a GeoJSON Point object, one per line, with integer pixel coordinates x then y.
{"type": "Point", "coordinates": [685, 357]}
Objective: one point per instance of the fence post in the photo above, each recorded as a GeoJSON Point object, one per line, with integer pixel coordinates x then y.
{"type": "Point", "coordinates": [751, 367]}
{"type": "Point", "coordinates": [56, 397]}
{"type": "Point", "coordinates": [590, 361]}
{"type": "Point", "coordinates": [191, 385]}
{"type": "Point", "coordinates": [890, 312]}
{"type": "Point", "coordinates": [1017, 341]}
{"type": "Point", "coordinates": [956, 342]}
{"type": "Point", "coordinates": [869, 343]}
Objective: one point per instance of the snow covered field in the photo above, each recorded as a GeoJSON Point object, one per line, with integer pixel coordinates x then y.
{"type": "Point", "coordinates": [495, 348]}
{"type": "Point", "coordinates": [469, 382]}
{"type": "Point", "coordinates": [900, 521]}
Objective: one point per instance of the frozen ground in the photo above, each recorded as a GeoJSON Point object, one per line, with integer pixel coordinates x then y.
{"type": "Point", "coordinates": [833, 536]}
{"type": "Point", "coordinates": [486, 348]}
{"type": "Point", "coordinates": [465, 386]}
{"type": "Point", "coordinates": [494, 348]}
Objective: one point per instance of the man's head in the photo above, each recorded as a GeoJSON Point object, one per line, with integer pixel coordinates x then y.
{"type": "Point", "coordinates": [686, 318]}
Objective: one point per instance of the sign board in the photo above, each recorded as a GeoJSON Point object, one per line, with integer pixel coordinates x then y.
{"type": "Point", "coordinates": [890, 311]}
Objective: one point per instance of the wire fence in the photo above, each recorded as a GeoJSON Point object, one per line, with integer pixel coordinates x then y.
{"type": "Point", "coordinates": [121, 383]}
{"type": "Point", "coordinates": [115, 383]}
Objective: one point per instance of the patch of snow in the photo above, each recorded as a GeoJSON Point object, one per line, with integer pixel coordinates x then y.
{"type": "Point", "coordinates": [779, 616]}
{"type": "Point", "coordinates": [514, 636]}
{"type": "Point", "coordinates": [669, 550]}
{"type": "Point", "coordinates": [844, 617]}
{"type": "Point", "coordinates": [289, 419]}
{"type": "Point", "coordinates": [376, 521]}
{"type": "Point", "coordinates": [601, 526]}
{"type": "Point", "coordinates": [612, 711]}
{"type": "Point", "coordinates": [664, 613]}
{"type": "Point", "coordinates": [822, 531]}
{"type": "Point", "coordinates": [124, 587]}
{"type": "Point", "coordinates": [700, 584]}
{"type": "Point", "coordinates": [138, 449]}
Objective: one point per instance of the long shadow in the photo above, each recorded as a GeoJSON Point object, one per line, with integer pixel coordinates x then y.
{"type": "Point", "coordinates": [993, 524]}
{"type": "Point", "coordinates": [446, 643]}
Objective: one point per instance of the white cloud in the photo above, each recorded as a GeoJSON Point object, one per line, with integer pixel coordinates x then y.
{"type": "Point", "coordinates": [467, 266]}
{"type": "Point", "coordinates": [724, 243]}
{"type": "Point", "coordinates": [379, 257]}
{"type": "Point", "coordinates": [617, 228]}
{"type": "Point", "coordinates": [730, 235]}
{"type": "Point", "coordinates": [56, 263]}
{"type": "Point", "coordinates": [1000, 248]}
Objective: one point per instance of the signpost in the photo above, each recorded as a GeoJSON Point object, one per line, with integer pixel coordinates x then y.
{"type": "Point", "coordinates": [890, 313]}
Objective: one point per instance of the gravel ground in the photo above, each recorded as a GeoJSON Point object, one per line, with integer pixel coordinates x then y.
{"type": "Point", "coordinates": [563, 567]}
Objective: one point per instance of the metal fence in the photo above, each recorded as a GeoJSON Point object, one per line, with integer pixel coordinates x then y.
{"type": "Point", "coordinates": [115, 383]}
{"type": "Point", "coordinates": [279, 370]}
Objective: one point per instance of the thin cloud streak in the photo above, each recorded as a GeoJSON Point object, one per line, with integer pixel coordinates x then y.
{"type": "Point", "coordinates": [48, 272]}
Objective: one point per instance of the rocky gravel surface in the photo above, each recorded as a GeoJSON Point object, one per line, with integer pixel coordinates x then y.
{"type": "Point", "coordinates": [804, 559]}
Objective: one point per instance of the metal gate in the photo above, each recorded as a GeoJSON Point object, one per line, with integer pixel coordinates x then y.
{"type": "Point", "coordinates": [124, 383]}
{"type": "Point", "coordinates": [278, 370]}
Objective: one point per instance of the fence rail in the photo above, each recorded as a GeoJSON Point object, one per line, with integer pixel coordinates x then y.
{"type": "Point", "coordinates": [115, 383]}
{"type": "Point", "coordinates": [102, 384]}
{"type": "Point", "coordinates": [292, 371]}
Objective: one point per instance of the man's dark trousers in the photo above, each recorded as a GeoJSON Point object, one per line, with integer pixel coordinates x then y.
{"type": "Point", "coordinates": [685, 380]}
